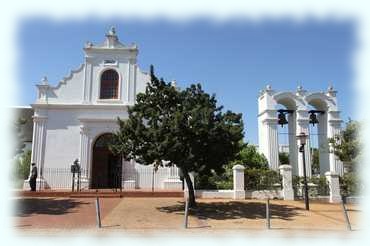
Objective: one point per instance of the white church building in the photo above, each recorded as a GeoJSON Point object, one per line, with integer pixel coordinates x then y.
{"type": "Point", "coordinates": [75, 118]}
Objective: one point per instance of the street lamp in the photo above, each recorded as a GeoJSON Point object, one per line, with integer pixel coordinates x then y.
{"type": "Point", "coordinates": [302, 138]}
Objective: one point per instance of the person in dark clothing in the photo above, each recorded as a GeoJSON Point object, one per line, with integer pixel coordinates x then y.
{"type": "Point", "coordinates": [33, 177]}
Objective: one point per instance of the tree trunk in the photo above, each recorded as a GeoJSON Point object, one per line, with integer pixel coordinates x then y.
{"type": "Point", "coordinates": [190, 186]}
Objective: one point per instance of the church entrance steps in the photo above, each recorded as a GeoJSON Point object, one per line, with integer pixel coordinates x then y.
{"type": "Point", "coordinates": [100, 193]}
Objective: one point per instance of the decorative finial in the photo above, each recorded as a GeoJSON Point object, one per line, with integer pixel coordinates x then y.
{"type": "Point", "coordinates": [88, 44]}
{"type": "Point", "coordinates": [331, 92]}
{"type": "Point", "coordinates": [44, 80]}
{"type": "Point", "coordinates": [267, 90]}
{"type": "Point", "coordinates": [112, 31]}
{"type": "Point", "coordinates": [300, 91]}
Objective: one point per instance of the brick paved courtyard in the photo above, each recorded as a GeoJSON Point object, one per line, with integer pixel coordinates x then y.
{"type": "Point", "coordinates": [150, 214]}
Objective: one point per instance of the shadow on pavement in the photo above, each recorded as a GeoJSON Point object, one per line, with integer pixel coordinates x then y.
{"type": "Point", "coordinates": [235, 210]}
{"type": "Point", "coordinates": [28, 206]}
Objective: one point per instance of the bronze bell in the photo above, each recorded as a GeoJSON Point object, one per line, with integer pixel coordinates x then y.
{"type": "Point", "coordinates": [282, 119]}
{"type": "Point", "coordinates": [313, 118]}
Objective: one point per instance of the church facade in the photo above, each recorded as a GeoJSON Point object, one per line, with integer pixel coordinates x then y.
{"type": "Point", "coordinates": [75, 119]}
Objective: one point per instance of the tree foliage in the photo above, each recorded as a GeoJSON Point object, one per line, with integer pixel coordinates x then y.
{"type": "Point", "coordinates": [21, 168]}
{"type": "Point", "coordinates": [283, 158]}
{"type": "Point", "coordinates": [249, 157]}
{"type": "Point", "coordinates": [315, 163]}
{"type": "Point", "coordinates": [346, 145]}
{"type": "Point", "coordinates": [169, 126]}
{"type": "Point", "coordinates": [19, 138]}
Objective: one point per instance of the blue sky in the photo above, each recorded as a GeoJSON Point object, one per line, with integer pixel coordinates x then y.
{"type": "Point", "coordinates": [234, 59]}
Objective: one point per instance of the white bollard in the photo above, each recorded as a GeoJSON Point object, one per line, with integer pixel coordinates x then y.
{"type": "Point", "coordinates": [238, 182]}
{"type": "Point", "coordinates": [286, 174]}
{"type": "Point", "coordinates": [333, 180]}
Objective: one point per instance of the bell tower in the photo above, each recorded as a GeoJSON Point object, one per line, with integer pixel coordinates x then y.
{"type": "Point", "coordinates": [298, 116]}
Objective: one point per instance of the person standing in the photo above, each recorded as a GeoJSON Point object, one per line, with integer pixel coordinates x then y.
{"type": "Point", "coordinates": [33, 177]}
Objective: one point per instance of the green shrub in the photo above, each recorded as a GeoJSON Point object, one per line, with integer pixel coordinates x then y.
{"type": "Point", "coordinates": [204, 182]}
{"type": "Point", "coordinates": [214, 181]}
{"type": "Point", "coordinates": [261, 179]}
{"type": "Point", "coordinates": [322, 188]}
{"type": "Point", "coordinates": [349, 184]}
{"type": "Point", "coordinates": [322, 185]}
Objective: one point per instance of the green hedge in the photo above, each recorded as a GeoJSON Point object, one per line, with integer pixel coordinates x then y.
{"type": "Point", "coordinates": [255, 179]}
{"type": "Point", "coordinates": [213, 182]}
{"type": "Point", "coordinates": [261, 179]}
{"type": "Point", "coordinates": [322, 188]}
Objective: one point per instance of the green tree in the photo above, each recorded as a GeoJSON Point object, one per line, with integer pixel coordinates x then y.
{"type": "Point", "coordinates": [21, 167]}
{"type": "Point", "coordinates": [346, 145]}
{"type": "Point", "coordinates": [283, 158]}
{"type": "Point", "coordinates": [19, 138]}
{"type": "Point", "coordinates": [169, 126]}
{"type": "Point", "coordinates": [315, 166]}
{"type": "Point", "coordinates": [249, 157]}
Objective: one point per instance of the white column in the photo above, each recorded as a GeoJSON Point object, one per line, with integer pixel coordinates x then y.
{"type": "Point", "coordinates": [272, 143]}
{"type": "Point", "coordinates": [286, 173]}
{"type": "Point", "coordinates": [293, 148]}
{"type": "Point", "coordinates": [333, 180]}
{"type": "Point", "coordinates": [303, 126]}
{"type": "Point", "coordinates": [85, 156]}
{"type": "Point", "coordinates": [238, 182]}
{"type": "Point", "coordinates": [323, 143]}
{"type": "Point", "coordinates": [38, 149]}
{"type": "Point", "coordinates": [334, 128]}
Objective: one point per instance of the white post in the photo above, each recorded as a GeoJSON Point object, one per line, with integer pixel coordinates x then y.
{"type": "Point", "coordinates": [286, 173]}
{"type": "Point", "coordinates": [238, 181]}
{"type": "Point", "coordinates": [334, 188]}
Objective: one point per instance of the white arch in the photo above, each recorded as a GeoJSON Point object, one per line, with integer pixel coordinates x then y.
{"type": "Point", "coordinates": [321, 101]}
{"type": "Point", "coordinates": [289, 100]}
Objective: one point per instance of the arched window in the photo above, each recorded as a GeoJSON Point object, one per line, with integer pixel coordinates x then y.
{"type": "Point", "coordinates": [109, 85]}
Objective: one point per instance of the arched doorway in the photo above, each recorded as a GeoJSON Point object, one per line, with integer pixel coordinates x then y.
{"type": "Point", "coordinates": [106, 167]}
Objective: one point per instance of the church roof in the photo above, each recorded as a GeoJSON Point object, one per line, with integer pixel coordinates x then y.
{"type": "Point", "coordinates": [111, 42]}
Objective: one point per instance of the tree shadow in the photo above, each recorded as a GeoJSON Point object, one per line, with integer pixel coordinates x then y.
{"type": "Point", "coordinates": [234, 210]}
{"type": "Point", "coordinates": [27, 206]}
